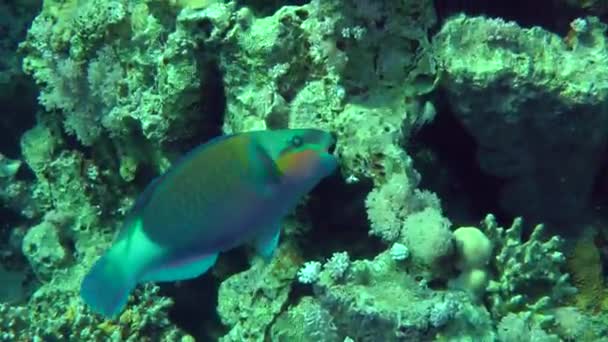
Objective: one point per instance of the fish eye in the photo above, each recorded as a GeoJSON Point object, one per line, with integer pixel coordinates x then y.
{"type": "Point", "coordinates": [296, 141]}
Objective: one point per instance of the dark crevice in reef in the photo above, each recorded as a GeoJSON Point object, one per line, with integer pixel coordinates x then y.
{"type": "Point", "coordinates": [208, 112]}
{"type": "Point", "coordinates": [8, 218]}
{"type": "Point", "coordinates": [445, 154]}
{"type": "Point", "coordinates": [18, 115]}
{"type": "Point", "coordinates": [337, 213]}
{"type": "Point", "coordinates": [18, 105]}
{"type": "Point", "coordinates": [555, 17]}
{"type": "Point", "coordinates": [599, 197]}
{"type": "Point", "coordinates": [212, 100]}
{"type": "Point", "coordinates": [195, 300]}
{"type": "Point", "coordinates": [71, 143]}
{"type": "Point", "coordinates": [195, 306]}
{"type": "Point", "coordinates": [263, 8]}
{"type": "Point", "coordinates": [18, 92]}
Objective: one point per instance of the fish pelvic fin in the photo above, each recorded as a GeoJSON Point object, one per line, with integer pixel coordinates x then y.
{"type": "Point", "coordinates": [267, 242]}
{"type": "Point", "coordinates": [105, 289]}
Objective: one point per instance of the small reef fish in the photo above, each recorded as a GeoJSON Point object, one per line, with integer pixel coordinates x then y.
{"type": "Point", "coordinates": [230, 191]}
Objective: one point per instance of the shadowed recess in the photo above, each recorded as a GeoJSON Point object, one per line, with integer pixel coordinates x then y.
{"type": "Point", "coordinates": [194, 308]}
{"type": "Point", "coordinates": [18, 115]}
{"type": "Point", "coordinates": [599, 196]}
{"type": "Point", "coordinates": [445, 154]}
{"type": "Point", "coordinates": [526, 13]}
{"type": "Point", "coordinates": [263, 8]}
{"type": "Point", "coordinates": [338, 217]}
{"type": "Point", "coordinates": [207, 114]}
{"type": "Point", "coordinates": [195, 300]}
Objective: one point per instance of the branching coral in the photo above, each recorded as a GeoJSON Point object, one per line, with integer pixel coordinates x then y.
{"type": "Point", "coordinates": [528, 274]}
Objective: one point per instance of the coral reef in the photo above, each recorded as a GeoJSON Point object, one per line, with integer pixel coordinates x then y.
{"type": "Point", "coordinates": [15, 193]}
{"type": "Point", "coordinates": [377, 300]}
{"type": "Point", "coordinates": [126, 86]}
{"type": "Point", "coordinates": [116, 70]}
{"type": "Point", "coordinates": [306, 321]}
{"type": "Point", "coordinates": [91, 60]}
{"type": "Point", "coordinates": [55, 314]}
{"type": "Point", "coordinates": [428, 236]}
{"type": "Point", "coordinates": [522, 283]}
{"type": "Point", "coordinates": [391, 202]}
{"type": "Point", "coordinates": [250, 301]}
{"type": "Point", "coordinates": [535, 106]}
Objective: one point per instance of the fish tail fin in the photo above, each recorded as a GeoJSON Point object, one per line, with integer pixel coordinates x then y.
{"type": "Point", "coordinates": [107, 286]}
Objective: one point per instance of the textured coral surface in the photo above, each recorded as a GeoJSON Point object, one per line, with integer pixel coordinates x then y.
{"type": "Point", "coordinates": [443, 112]}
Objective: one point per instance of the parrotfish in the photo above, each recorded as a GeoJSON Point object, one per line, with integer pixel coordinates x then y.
{"type": "Point", "coordinates": [230, 191]}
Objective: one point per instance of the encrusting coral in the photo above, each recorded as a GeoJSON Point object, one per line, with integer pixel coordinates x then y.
{"type": "Point", "coordinates": [127, 86]}
{"type": "Point", "coordinates": [534, 105]}
{"type": "Point", "coordinates": [585, 265]}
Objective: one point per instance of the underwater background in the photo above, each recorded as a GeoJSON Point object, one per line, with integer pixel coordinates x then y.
{"type": "Point", "coordinates": [470, 201]}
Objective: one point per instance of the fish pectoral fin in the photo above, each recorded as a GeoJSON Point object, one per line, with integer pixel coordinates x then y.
{"type": "Point", "coordinates": [265, 169]}
{"type": "Point", "coordinates": [181, 269]}
{"type": "Point", "coordinates": [266, 243]}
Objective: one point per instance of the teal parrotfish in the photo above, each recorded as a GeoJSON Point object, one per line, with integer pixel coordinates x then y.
{"type": "Point", "coordinates": [230, 191]}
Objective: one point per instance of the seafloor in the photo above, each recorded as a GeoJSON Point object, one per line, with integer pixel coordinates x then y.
{"type": "Point", "coordinates": [470, 204]}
